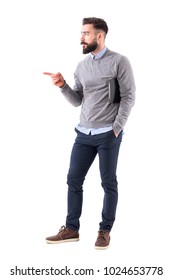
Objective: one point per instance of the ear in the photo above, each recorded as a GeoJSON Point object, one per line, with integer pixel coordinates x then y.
{"type": "Point", "coordinates": [100, 36]}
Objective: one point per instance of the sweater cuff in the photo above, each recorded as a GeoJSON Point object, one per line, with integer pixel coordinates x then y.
{"type": "Point", "coordinates": [63, 85]}
{"type": "Point", "coordinates": [117, 128]}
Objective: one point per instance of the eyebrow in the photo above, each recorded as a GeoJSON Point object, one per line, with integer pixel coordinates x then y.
{"type": "Point", "coordinates": [85, 32]}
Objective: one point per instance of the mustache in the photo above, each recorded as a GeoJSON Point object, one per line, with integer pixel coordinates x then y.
{"type": "Point", "coordinates": [82, 43]}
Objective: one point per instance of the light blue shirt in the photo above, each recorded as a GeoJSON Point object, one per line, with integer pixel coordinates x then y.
{"type": "Point", "coordinates": [100, 54]}
{"type": "Point", "coordinates": [95, 131]}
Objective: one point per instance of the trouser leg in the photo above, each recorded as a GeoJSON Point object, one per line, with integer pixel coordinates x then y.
{"type": "Point", "coordinates": [82, 157]}
{"type": "Point", "coordinates": [108, 157]}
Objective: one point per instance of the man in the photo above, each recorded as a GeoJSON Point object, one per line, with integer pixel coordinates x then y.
{"type": "Point", "coordinates": [100, 130]}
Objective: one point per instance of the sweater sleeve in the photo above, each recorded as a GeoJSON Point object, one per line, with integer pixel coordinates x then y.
{"type": "Point", "coordinates": [75, 95]}
{"type": "Point", "coordinates": [127, 92]}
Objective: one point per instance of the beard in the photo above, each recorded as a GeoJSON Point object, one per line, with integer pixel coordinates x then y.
{"type": "Point", "coordinates": [89, 47]}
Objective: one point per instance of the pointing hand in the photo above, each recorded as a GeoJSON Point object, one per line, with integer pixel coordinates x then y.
{"type": "Point", "coordinates": [57, 78]}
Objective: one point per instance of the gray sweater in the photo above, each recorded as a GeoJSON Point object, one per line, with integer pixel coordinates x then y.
{"type": "Point", "coordinates": [91, 91]}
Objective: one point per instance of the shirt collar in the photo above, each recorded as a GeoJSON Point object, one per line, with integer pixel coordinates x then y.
{"type": "Point", "coordinates": [100, 53]}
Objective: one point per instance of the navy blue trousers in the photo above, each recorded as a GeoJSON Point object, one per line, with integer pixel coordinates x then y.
{"type": "Point", "coordinates": [84, 151]}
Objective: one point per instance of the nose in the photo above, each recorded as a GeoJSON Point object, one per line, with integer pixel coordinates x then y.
{"type": "Point", "coordinates": [82, 37]}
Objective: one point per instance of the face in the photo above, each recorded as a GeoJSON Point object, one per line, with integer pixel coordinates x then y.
{"type": "Point", "coordinates": [89, 39]}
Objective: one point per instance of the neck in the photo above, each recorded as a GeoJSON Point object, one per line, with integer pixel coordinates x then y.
{"type": "Point", "coordinates": [100, 48]}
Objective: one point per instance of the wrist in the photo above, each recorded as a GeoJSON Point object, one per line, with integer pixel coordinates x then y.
{"type": "Point", "coordinates": [116, 133]}
{"type": "Point", "coordinates": [63, 84]}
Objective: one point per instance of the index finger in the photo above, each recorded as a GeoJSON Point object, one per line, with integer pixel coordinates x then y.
{"type": "Point", "coordinates": [47, 73]}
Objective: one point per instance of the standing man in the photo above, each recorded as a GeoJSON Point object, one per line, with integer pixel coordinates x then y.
{"type": "Point", "coordinates": [104, 113]}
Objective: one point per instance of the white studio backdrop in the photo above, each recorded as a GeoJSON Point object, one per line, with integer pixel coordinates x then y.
{"type": "Point", "coordinates": [37, 133]}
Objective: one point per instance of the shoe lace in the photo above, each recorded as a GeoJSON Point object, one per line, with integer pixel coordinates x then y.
{"type": "Point", "coordinates": [101, 234]}
{"type": "Point", "coordinates": [62, 228]}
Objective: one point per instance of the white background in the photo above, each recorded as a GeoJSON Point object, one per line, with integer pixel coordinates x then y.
{"type": "Point", "coordinates": [37, 133]}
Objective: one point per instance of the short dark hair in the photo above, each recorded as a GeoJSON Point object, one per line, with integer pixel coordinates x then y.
{"type": "Point", "coordinates": [98, 23]}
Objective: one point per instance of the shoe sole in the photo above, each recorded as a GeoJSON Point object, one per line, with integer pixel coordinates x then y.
{"type": "Point", "coordinates": [62, 241]}
{"type": "Point", "coordinates": [101, 248]}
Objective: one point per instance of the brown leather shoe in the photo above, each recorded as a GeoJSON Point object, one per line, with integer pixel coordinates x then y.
{"type": "Point", "coordinates": [103, 240]}
{"type": "Point", "coordinates": [64, 235]}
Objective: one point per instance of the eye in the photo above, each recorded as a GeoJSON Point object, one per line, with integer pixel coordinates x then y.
{"type": "Point", "coordinates": [85, 33]}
